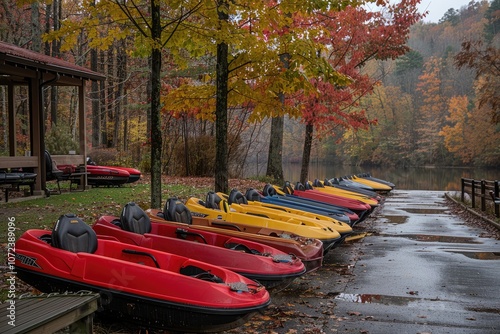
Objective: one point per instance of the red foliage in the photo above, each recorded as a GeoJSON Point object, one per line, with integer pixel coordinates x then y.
{"type": "Point", "coordinates": [353, 37]}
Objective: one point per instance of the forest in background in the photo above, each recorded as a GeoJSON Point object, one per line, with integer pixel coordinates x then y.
{"type": "Point", "coordinates": [424, 111]}
{"type": "Point", "coordinates": [426, 108]}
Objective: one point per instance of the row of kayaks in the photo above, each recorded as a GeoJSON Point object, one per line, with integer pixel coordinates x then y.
{"type": "Point", "coordinates": [104, 175]}
{"type": "Point", "coordinates": [195, 266]}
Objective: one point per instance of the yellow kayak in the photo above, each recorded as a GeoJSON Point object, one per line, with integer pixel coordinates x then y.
{"type": "Point", "coordinates": [216, 208]}
{"type": "Point", "coordinates": [375, 185]}
{"type": "Point", "coordinates": [238, 202]}
{"type": "Point", "coordinates": [348, 194]}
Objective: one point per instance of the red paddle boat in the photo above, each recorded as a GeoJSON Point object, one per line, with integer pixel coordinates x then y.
{"type": "Point", "coordinates": [264, 264]}
{"type": "Point", "coordinates": [308, 250]}
{"type": "Point", "coordinates": [143, 285]}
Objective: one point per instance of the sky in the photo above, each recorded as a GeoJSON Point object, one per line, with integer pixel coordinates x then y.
{"type": "Point", "coordinates": [437, 8]}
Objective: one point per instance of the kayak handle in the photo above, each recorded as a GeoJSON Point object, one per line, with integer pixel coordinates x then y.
{"type": "Point", "coordinates": [135, 252]}
{"type": "Point", "coordinates": [236, 227]}
{"type": "Point", "coordinates": [182, 233]}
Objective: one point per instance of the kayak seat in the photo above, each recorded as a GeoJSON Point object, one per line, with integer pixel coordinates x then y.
{"type": "Point", "coordinates": [235, 196]}
{"type": "Point", "coordinates": [252, 195]}
{"type": "Point", "coordinates": [287, 188]}
{"type": "Point", "coordinates": [72, 234]}
{"type": "Point", "coordinates": [317, 183]}
{"type": "Point", "coordinates": [308, 186]}
{"type": "Point", "coordinates": [300, 186]}
{"type": "Point", "coordinates": [268, 190]}
{"type": "Point", "coordinates": [134, 219]}
{"type": "Point", "coordinates": [176, 211]}
{"type": "Point", "coordinates": [212, 201]}
{"type": "Point", "coordinates": [327, 182]}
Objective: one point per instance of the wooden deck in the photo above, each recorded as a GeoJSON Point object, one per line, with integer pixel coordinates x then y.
{"type": "Point", "coordinates": [49, 313]}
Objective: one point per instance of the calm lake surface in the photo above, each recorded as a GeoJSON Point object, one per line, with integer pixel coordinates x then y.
{"type": "Point", "coordinates": [422, 178]}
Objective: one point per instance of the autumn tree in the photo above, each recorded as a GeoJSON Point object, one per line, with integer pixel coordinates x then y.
{"type": "Point", "coordinates": [259, 34]}
{"type": "Point", "coordinates": [470, 134]}
{"type": "Point", "coordinates": [432, 113]}
{"type": "Point", "coordinates": [485, 60]}
{"type": "Point", "coordinates": [364, 36]}
{"type": "Point", "coordinates": [457, 133]}
{"type": "Point", "coordinates": [153, 25]}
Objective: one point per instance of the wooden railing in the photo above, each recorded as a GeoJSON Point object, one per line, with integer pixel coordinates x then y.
{"type": "Point", "coordinates": [485, 191]}
{"type": "Point", "coordinates": [18, 161]}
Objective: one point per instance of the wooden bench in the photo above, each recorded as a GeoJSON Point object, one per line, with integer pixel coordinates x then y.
{"type": "Point", "coordinates": [15, 183]}
{"type": "Point", "coordinates": [49, 313]}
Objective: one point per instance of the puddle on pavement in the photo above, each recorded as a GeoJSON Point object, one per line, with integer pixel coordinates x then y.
{"type": "Point", "coordinates": [479, 255]}
{"type": "Point", "coordinates": [374, 299]}
{"type": "Point", "coordinates": [484, 310]}
{"type": "Point", "coordinates": [396, 219]}
{"type": "Point", "coordinates": [435, 238]}
{"type": "Point", "coordinates": [425, 211]}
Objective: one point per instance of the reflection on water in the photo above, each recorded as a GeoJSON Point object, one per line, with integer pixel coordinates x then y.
{"type": "Point", "coordinates": [439, 178]}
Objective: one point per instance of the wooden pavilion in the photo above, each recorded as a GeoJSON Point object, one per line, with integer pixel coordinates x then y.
{"type": "Point", "coordinates": [19, 66]}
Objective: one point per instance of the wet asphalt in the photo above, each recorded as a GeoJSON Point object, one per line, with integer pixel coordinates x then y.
{"type": "Point", "coordinates": [419, 269]}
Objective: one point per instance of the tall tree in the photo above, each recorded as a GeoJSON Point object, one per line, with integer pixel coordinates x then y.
{"type": "Point", "coordinates": [222, 77]}
{"type": "Point", "coordinates": [486, 62]}
{"type": "Point", "coordinates": [153, 24]}
{"type": "Point", "coordinates": [433, 109]}
{"type": "Point", "coordinates": [363, 36]}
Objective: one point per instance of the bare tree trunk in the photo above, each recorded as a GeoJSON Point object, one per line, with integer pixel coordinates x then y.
{"type": "Point", "coordinates": [156, 135]}
{"type": "Point", "coordinates": [102, 109]}
{"type": "Point", "coordinates": [121, 69]}
{"type": "Point", "coordinates": [36, 30]}
{"type": "Point", "coordinates": [222, 77]}
{"type": "Point", "coordinates": [110, 141]}
{"type": "Point", "coordinates": [306, 154]}
{"type": "Point", "coordinates": [148, 93]}
{"type": "Point", "coordinates": [275, 155]}
{"type": "Point", "coordinates": [186, 144]}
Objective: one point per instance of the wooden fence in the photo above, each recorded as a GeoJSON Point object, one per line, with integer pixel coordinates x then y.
{"type": "Point", "coordinates": [484, 191]}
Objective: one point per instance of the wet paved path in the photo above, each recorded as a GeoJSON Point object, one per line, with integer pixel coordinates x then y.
{"type": "Point", "coordinates": [421, 270]}
{"type": "Point", "coordinates": [424, 272]}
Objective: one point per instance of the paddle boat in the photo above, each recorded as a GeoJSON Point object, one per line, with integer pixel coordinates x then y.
{"type": "Point", "coordinates": [267, 265]}
{"type": "Point", "coordinates": [142, 285]}
{"type": "Point", "coordinates": [216, 208]}
{"type": "Point", "coordinates": [360, 208]}
{"type": "Point", "coordinates": [239, 203]}
{"type": "Point", "coordinates": [368, 176]}
{"type": "Point", "coordinates": [376, 185]}
{"type": "Point", "coordinates": [275, 194]}
{"type": "Point", "coordinates": [308, 250]}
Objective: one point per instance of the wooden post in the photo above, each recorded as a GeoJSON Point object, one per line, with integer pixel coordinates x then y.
{"type": "Point", "coordinates": [497, 195]}
{"type": "Point", "coordinates": [462, 198]}
{"type": "Point", "coordinates": [82, 131]}
{"type": "Point", "coordinates": [473, 194]}
{"type": "Point", "coordinates": [483, 195]}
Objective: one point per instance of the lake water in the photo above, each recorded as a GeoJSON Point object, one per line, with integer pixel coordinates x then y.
{"type": "Point", "coordinates": [422, 178]}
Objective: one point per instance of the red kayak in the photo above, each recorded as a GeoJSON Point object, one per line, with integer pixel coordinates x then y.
{"type": "Point", "coordinates": [142, 285]}
{"type": "Point", "coordinates": [134, 174]}
{"type": "Point", "coordinates": [349, 203]}
{"type": "Point", "coordinates": [265, 264]}
{"type": "Point", "coordinates": [106, 176]}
